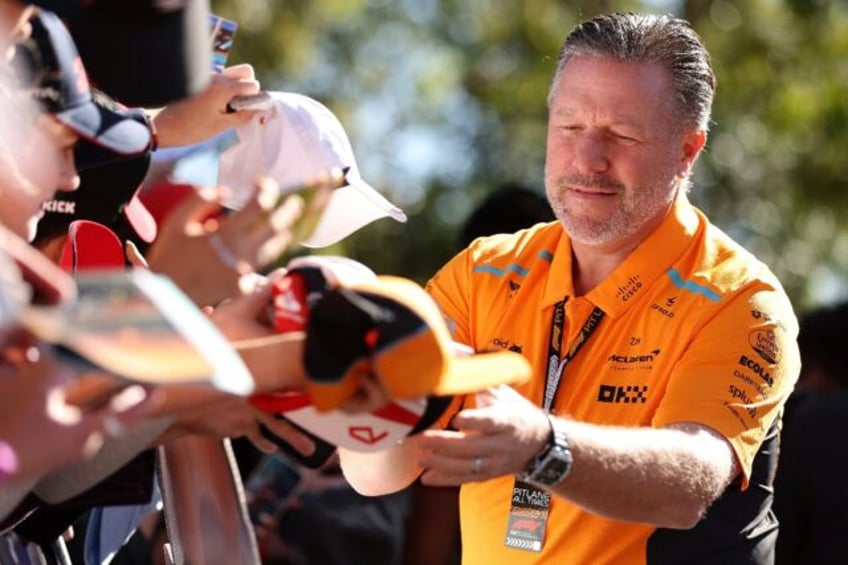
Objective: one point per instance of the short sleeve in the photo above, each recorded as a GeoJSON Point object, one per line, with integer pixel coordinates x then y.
{"type": "Point", "coordinates": [738, 372]}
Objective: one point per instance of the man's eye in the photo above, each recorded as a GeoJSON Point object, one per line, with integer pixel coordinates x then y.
{"type": "Point", "coordinates": [625, 138]}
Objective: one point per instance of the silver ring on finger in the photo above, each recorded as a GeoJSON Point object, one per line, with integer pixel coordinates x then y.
{"type": "Point", "coordinates": [476, 465]}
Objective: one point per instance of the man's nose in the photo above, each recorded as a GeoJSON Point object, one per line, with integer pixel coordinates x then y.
{"type": "Point", "coordinates": [591, 154]}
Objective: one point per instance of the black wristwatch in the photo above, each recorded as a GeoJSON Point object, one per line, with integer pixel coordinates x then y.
{"type": "Point", "coordinates": [553, 464]}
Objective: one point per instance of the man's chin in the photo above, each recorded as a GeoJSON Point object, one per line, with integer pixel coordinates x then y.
{"type": "Point", "coordinates": [589, 232]}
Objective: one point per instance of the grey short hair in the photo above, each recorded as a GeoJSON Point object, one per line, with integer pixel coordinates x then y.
{"type": "Point", "coordinates": [650, 38]}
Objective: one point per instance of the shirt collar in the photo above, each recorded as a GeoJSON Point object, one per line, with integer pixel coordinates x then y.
{"type": "Point", "coordinates": [649, 260]}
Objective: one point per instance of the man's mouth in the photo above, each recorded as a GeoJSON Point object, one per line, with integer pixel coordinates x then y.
{"type": "Point", "coordinates": [591, 190]}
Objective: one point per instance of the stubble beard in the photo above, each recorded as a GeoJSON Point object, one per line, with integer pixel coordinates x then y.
{"type": "Point", "coordinates": [633, 208]}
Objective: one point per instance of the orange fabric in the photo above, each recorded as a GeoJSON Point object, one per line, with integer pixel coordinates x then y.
{"type": "Point", "coordinates": [696, 329]}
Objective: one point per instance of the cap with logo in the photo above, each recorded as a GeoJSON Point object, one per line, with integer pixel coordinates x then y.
{"type": "Point", "coordinates": [49, 67]}
{"type": "Point", "coordinates": [358, 431]}
{"type": "Point", "coordinates": [394, 330]}
{"type": "Point", "coordinates": [109, 195]}
{"type": "Point", "coordinates": [304, 283]}
{"type": "Point", "coordinates": [293, 142]}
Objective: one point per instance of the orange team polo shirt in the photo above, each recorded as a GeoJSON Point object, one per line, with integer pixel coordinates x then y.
{"type": "Point", "coordinates": [696, 329]}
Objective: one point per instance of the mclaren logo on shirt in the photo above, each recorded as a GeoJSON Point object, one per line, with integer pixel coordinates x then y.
{"type": "Point", "coordinates": [619, 362]}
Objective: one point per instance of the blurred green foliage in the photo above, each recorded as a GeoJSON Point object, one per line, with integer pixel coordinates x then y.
{"type": "Point", "coordinates": [444, 100]}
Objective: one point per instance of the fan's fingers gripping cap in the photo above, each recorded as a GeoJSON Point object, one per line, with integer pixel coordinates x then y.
{"type": "Point", "coordinates": [393, 330]}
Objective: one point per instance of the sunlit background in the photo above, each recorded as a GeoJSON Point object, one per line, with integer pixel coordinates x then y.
{"type": "Point", "coordinates": [444, 101]}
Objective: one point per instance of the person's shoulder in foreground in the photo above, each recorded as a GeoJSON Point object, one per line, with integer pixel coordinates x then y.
{"type": "Point", "coordinates": [663, 351]}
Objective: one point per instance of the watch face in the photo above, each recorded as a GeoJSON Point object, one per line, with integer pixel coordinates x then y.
{"type": "Point", "coordinates": [555, 467]}
{"type": "Point", "coordinates": [558, 466]}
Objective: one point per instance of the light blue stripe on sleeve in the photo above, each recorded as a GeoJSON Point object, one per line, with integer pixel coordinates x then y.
{"type": "Point", "coordinates": [691, 286]}
{"type": "Point", "coordinates": [512, 267]}
{"type": "Point", "coordinates": [520, 271]}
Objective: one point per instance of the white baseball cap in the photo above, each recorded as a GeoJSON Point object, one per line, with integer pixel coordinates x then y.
{"type": "Point", "coordinates": [295, 140]}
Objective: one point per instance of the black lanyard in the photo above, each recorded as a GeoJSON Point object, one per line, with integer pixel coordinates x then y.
{"type": "Point", "coordinates": [556, 367]}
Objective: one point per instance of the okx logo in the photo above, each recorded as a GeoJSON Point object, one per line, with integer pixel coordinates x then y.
{"type": "Point", "coordinates": [626, 394]}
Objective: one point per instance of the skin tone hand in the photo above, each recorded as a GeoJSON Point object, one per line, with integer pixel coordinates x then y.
{"type": "Point", "coordinates": [204, 116]}
{"type": "Point", "coordinates": [205, 252]}
{"type": "Point", "coordinates": [233, 417]}
{"type": "Point", "coordinates": [245, 316]}
{"type": "Point", "coordinates": [691, 465]}
{"type": "Point", "coordinates": [242, 320]}
{"type": "Point", "coordinates": [205, 412]}
{"type": "Point", "coordinates": [33, 389]}
{"type": "Point", "coordinates": [505, 431]}
{"type": "Point", "coordinates": [273, 359]}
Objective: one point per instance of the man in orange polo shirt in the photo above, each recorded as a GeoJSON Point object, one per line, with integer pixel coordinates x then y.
{"type": "Point", "coordinates": [663, 352]}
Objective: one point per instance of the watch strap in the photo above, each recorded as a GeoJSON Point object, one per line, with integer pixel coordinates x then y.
{"type": "Point", "coordinates": [553, 463]}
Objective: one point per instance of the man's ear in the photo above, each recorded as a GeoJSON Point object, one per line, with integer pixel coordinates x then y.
{"type": "Point", "coordinates": [692, 144]}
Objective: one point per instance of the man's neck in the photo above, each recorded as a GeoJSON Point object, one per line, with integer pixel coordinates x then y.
{"type": "Point", "coordinates": [592, 264]}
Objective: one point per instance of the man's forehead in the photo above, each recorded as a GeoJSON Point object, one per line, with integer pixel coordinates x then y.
{"type": "Point", "coordinates": [598, 71]}
{"type": "Point", "coordinates": [623, 92]}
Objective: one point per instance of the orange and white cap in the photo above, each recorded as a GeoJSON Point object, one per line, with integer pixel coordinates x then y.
{"type": "Point", "coordinates": [392, 329]}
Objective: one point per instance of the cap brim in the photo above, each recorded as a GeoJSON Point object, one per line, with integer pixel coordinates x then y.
{"type": "Point", "coordinates": [106, 128]}
{"type": "Point", "coordinates": [89, 155]}
{"type": "Point", "coordinates": [141, 327]}
{"type": "Point", "coordinates": [480, 371]}
{"type": "Point", "coordinates": [455, 375]}
{"type": "Point", "coordinates": [140, 218]}
{"type": "Point", "coordinates": [350, 208]}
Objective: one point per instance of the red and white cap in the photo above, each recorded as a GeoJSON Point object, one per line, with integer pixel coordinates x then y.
{"type": "Point", "coordinates": [359, 431]}
{"type": "Point", "coordinates": [293, 142]}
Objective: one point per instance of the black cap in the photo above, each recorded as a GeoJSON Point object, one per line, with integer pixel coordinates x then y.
{"type": "Point", "coordinates": [108, 194]}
